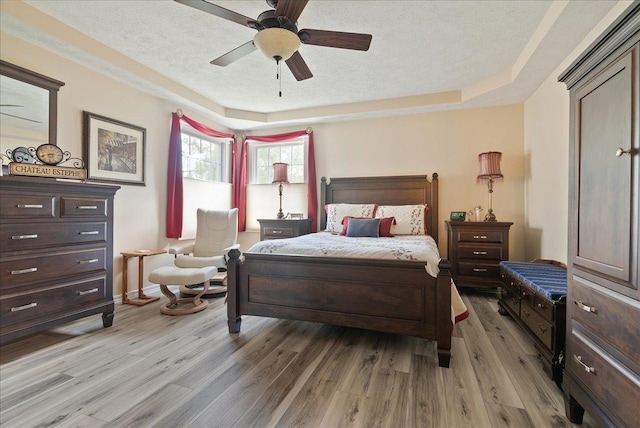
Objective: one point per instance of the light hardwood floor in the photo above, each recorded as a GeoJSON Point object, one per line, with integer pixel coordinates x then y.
{"type": "Point", "coordinates": [154, 370]}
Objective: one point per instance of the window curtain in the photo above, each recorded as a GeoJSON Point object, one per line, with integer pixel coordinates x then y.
{"type": "Point", "coordinates": [174, 171]}
{"type": "Point", "coordinates": [240, 191]}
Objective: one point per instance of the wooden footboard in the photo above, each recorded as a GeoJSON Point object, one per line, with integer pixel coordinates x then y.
{"type": "Point", "coordinates": [383, 295]}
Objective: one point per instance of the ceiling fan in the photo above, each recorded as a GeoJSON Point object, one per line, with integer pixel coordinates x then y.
{"type": "Point", "coordinates": [278, 36]}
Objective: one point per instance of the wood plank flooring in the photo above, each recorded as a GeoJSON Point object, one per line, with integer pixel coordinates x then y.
{"type": "Point", "coordinates": [154, 370]}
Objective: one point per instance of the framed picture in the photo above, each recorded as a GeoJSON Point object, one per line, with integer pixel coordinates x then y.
{"type": "Point", "coordinates": [114, 151]}
{"type": "Point", "coordinates": [458, 215]}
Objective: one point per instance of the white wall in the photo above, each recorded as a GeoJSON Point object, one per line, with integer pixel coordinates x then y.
{"type": "Point", "coordinates": [546, 153]}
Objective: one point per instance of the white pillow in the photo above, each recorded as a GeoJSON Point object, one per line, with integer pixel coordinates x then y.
{"type": "Point", "coordinates": [409, 218]}
{"type": "Point", "coordinates": [337, 212]}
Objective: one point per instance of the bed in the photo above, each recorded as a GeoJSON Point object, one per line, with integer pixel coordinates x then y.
{"type": "Point", "coordinates": [395, 296]}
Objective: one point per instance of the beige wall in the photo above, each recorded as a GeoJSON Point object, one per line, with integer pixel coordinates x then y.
{"type": "Point", "coordinates": [546, 153]}
{"type": "Point", "coordinates": [445, 142]}
{"type": "Point", "coordinates": [139, 211]}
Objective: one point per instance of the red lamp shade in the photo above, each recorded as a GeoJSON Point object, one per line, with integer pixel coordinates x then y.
{"type": "Point", "coordinates": [490, 165]}
{"type": "Point", "coordinates": [280, 172]}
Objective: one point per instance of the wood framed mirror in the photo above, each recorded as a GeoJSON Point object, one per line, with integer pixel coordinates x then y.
{"type": "Point", "coordinates": [28, 106]}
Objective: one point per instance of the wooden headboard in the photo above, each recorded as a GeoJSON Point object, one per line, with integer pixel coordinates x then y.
{"type": "Point", "coordinates": [402, 190]}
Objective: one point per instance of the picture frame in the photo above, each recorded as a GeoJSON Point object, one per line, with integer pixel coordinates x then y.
{"type": "Point", "coordinates": [458, 216]}
{"type": "Point", "coordinates": [296, 216]}
{"type": "Point", "coordinates": [114, 151]}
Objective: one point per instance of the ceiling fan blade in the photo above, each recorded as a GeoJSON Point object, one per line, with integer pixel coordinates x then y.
{"type": "Point", "coordinates": [20, 117]}
{"type": "Point", "coordinates": [298, 67]}
{"type": "Point", "coordinates": [216, 10]}
{"type": "Point", "coordinates": [335, 39]}
{"type": "Point", "coordinates": [235, 54]}
{"type": "Point", "coordinates": [291, 8]}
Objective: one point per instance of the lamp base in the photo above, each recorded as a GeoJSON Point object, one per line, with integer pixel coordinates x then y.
{"type": "Point", "coordinates": [490, 216]}
{"type": "Point", "coordinates": [280, 215]}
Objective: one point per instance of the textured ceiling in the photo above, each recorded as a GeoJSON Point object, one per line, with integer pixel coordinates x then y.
{"type": "Point", "coordinates": [424, 56]}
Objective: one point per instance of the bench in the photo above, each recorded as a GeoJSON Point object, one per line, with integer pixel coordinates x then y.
{"type": "Point", "coordinates": [534, 294]}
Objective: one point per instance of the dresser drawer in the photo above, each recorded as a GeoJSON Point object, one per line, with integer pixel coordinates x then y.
{"type": "Point", "coordinates": [544, 307]}
{"type": "Point", "coordinates": [538, 325]}
{"type": "Point", "coordinates": [480, 252]}
{"type": "Point", "coordinates": [23, 236]}
{"type": "Point", "coordinates": [83, 207]}
{"type": "Point", "coordinates": [16, 308]}
{"type": "Point", "coordinates": [278, 232]}
{"type": "Point", "coordinates": [16, 271]}
{"type": "Point", "coordinates": [612, 319]}
{"type": "Point", "coordinates": [527, 295]}
{"type": "Point", "coordinates": [511, 299]}
{"type": "Point", "coordinates": [617, 389]}
{"type": "Point", "coordinates": [496, 236]}
{"type": "Point", "coordinates": [27, 206]}
{"type": "Point", "coordinates": [479, 269]}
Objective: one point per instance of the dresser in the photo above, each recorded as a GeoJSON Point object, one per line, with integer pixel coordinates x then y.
{"type": "Point", "coordinates": [475, 250]}
{"type": "Point", "coordinates": [283, 228]}
{"type": "Point", "coordinates": [56, 253]}
{"type": "Point", "coordinates": [602, 368]}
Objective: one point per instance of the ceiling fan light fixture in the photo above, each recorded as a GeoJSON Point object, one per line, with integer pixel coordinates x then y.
{"type": "Point", "coordinates": [277, 42]}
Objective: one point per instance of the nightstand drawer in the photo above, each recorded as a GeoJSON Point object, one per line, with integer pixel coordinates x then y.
{"type": "Point", "coordinates": [283, 228]}
{"type": "Point", "coordinates": [496, 236]}
{"type": "Point", "coordinates": [480, 252]}
{"type": "Point", "coordinates": [277, 232]}
{"type": "Point", "coordinates": [480, 269]}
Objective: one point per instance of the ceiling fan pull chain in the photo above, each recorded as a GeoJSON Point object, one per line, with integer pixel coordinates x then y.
{"type": "Point", "coordinates": [278, 72]}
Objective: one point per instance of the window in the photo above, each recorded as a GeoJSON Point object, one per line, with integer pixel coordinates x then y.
{"type": "Point", "coordinates": [205, 158]}
{"type": "Point", "coordinates": [264, 155]}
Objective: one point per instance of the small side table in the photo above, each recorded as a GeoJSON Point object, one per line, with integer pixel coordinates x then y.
{"type": "Point", "coordinates": [142, 299]}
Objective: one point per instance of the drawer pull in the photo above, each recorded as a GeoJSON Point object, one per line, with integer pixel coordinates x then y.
{"type": "Point", "coordinates": [90, 232]}
{"type": "Point", "coordinates": [276, 232]}
{"type": "Point", "coordinates": [479, 270]}
{"type": "Point", "coordinates": [34, 236]}
{"type": "Point", "coordinates": [23, 307]}
{"type": "Point", "coordinates": [479, 236]}
{"type": "Point", "coordinates": [85, 262]}
{"type": "Point", "coordinates": [87, 207]}
{"type": "Point", "coordinates": [93, 290]}
{"type": "Point", "coordinates": [543, 329]}
{"type": "Point", "coordinates": [542, 305]}
{"type": "Point", "coordinates": [586, 308]}
{"type": "Point", "coordinates": [479, 253]}
{"type": "Point", "coordinates": [36, 206]}
{"type": "Point", "coordinates": [586, 368]}
{"type": "Point", "coordinates": [21, 271]}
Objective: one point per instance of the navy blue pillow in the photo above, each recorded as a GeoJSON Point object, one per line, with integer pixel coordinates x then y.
{"type": "Point", "coordinates": [363, 228]}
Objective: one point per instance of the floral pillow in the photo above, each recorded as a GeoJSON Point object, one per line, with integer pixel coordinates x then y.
{"type": "Point", "coordinates": [336, 212]}
{"type": "Point", "coordinates": [409, 219]}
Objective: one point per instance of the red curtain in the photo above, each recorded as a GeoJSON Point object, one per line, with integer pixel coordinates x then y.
{"type": "Point", "coordinates": [174, 171]}
{"type": "Point", "coordinates": [241, 188]}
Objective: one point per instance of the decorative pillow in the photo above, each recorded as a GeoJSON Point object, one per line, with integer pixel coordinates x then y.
{"type": "Point", "coordinates": [409, 219]}
{"type": "Point", "coordinates": [363, 227]}
{"type": "Point", "coordinates": [336, 212]}
{"type": "Point", "coordinates": [384, 230]}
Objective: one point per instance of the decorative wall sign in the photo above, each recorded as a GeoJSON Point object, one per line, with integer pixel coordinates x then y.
{"type": "Point", "coordinates": [44, 161]}
{"type": "Point", "coordinates": [114, 150]}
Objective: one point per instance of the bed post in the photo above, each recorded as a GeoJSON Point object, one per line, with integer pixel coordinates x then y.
{"type": "Point", "coordinates": [433, 207]}
{"type": "Point", "coordinates": [233, 282]}
{"type": "Point", "coordinates": [444, 321]}
{"type": "Point", "coordinates": [323, 202]}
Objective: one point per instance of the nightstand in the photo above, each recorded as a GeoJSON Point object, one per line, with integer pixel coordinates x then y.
{"type": "Point", "coordinates": [283, 228]}
{"type": "Point", "coordinates": [475, 250]}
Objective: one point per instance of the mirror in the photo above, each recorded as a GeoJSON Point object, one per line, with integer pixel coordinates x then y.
{"type": "Point", "coordinates": [28, 107]}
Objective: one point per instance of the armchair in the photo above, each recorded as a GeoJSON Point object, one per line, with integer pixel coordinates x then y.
{"type": "Point", "coordinates": [216, 235]}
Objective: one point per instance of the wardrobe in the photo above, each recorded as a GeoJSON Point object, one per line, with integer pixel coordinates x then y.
{"type": "Point", "coordinates": [602, 359]}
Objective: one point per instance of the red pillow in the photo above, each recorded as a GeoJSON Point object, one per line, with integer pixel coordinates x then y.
{"type": "Point", "coordinates": [384, 230]}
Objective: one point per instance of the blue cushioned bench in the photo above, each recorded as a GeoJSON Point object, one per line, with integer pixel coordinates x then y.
{"type": "Point", "coordinates": [534, 295]}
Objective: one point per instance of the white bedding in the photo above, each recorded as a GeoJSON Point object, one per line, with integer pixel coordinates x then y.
{"type": "Point", "coordinates": [402, 247]}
